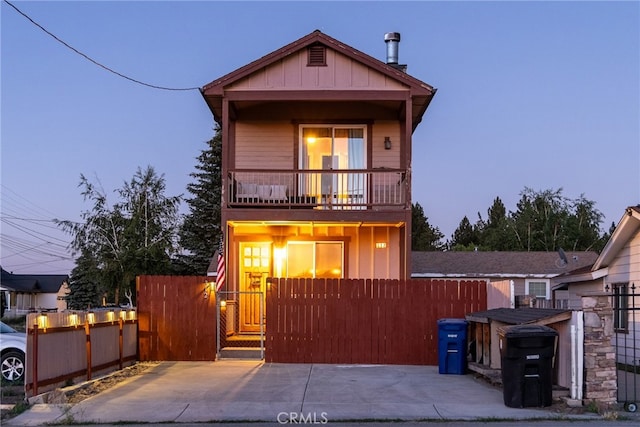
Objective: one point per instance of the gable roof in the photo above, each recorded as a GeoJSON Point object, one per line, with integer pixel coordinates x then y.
{"type": "Point", "coordinates": [624, 231]}
{"type": "Point", "coordinates": [496, 264]}
{"type": "Point", "coordinates": [32, 283]}
{"type": "Point", "coordinates": [421, 93]}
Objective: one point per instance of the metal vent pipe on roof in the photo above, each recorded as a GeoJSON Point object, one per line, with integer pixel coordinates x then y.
{"type": "Point", "coordinates": [393, 42]}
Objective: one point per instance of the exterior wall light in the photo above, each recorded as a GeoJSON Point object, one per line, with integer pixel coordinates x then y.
{"type": "Point", "coordinates": [381, 245]}
{"type": "Point", "coordinates": [42, 321]}
{"type": "Point", "coordinates": [387, 143]}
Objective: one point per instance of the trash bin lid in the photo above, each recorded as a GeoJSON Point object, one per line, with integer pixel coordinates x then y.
{"type": "Point", "coordinates": [518, 331]}
{"type": "Point", "coordinates": [452, 321]}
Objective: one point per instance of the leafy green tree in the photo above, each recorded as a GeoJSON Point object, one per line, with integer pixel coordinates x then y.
{"type": "Point", "coordinates": [424, 237]}
{"type": "Point", "coordinates": [582, 227]}
{"type": "Point", "coordinates": [117, 243]}
{"type": "Point", "coordinates": [539, 220]}
{"type": "Point", "coordinates": [201, 230]}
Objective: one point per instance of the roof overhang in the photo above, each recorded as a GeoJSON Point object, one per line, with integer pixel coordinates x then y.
{"type": "Point", "coordinates": [624, 231]}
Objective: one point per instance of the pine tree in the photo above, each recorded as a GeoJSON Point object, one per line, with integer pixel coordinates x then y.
{"type": "Point", "coordinates": [201, 230]}
{"type": "Point", "coordinates": [424, 237]}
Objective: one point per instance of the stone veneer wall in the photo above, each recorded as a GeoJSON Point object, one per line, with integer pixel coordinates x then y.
{"type": "Point", "coordinates": [600, 374]}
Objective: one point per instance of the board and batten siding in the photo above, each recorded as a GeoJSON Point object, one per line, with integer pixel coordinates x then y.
{"type": "Point", "coordinates": [264, 145]}
{"type": "Point", "coordinates": [293, 73]}
{"type": "Point", "coordinates": [626, 266]}
{"type": "Point", "coordinates": [382, 158]}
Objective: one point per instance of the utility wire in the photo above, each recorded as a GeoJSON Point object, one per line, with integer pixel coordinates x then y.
{"type": "Point", "coordinates": [93, 60]}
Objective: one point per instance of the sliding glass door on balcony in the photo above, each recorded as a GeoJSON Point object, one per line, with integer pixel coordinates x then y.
{"type": "Point", "coordinates": [335, 158]}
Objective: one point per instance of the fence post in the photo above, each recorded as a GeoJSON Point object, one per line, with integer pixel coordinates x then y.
{"type": "Point", "coordinates": [35, 358]}
{"type": "Point", "coordinates": [121, 341]}
{"type": "Point", "coordinates": [87, 332]}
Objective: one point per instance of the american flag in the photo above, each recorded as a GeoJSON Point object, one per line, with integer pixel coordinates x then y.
{"type": "Point", "coordinates": [220, 278]}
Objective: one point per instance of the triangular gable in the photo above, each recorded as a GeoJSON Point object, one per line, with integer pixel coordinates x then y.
{"type": "Point", "coordinates": [217, 86]}
{"type": "Point", "coordinates": [420, 93]}
{"type": "Point", "coordinates": [628, 226]}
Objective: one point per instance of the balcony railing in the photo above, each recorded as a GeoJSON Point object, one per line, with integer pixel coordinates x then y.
{"type": "Point", "coordinates": [318, 189]}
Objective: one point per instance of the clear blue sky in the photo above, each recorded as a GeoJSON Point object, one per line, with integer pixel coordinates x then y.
{"type": "Point", "coordinates": [530, 94]}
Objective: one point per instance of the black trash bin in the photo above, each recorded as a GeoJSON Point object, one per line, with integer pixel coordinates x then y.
{"type": "Point", "coordinates": [452, 346]}
{"type": "Point", "coordinates": [527, 353]}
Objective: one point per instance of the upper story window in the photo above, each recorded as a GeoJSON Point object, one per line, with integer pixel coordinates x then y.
{"type": "Point", "coordinates": [539, 288]}
{"type": "Point", "coordinates": [317, 56]}
{"type": "Point", "coordinates": [341, 152]}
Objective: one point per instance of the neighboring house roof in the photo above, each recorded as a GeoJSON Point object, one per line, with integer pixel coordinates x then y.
{"type": "Point", "coordinates": [497, 264]}
{"type": "Point", "coordinates": [421, 93]}
{"type": "Point", "coordinates": [32, 283]}
{"type": "Point", "coordinates": [520, 316]}
{"type": "Point", "coordinates": [625, 230]}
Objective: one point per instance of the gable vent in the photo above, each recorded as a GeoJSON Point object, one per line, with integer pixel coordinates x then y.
{"type": "Point", "coordinates": [317, 55]}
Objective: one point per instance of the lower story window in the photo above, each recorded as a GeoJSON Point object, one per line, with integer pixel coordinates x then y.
{"type": "Point", "coordinates": [315, 259]}
{"type": "Point", "coordinates": [620, 307]}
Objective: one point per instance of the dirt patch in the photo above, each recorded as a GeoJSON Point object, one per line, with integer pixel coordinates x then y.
{"type": "Point", "coordinates": [83, 391]}
{"type": "Point", "coordinates": [13, 396]}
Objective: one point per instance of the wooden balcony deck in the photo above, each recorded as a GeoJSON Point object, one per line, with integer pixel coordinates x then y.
{"type": "Point", "coordinates": [318, 189]}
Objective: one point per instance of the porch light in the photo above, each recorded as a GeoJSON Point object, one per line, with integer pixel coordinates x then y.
{"type": "Point", "coordinates": [387, 143]}
{"type": "Point", "coordinates": [223, 304]}
{"type": "Point", "coordinates": [280, 256]}
{"type": "Point", "coordinates": [381, 245]}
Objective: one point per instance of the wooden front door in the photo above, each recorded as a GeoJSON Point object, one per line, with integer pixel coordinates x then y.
{"type": "Point", "coordinates": [255, 267]}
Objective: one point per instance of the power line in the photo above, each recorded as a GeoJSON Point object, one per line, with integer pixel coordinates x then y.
{"type": "Point", "coordinates": [93, 60]}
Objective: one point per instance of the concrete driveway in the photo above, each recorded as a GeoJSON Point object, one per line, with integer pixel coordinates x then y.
{"type": "Point", "coordinates": [235, 390]}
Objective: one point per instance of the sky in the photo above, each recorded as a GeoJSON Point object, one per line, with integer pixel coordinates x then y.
{"type": "Point", "coordinates": [541, 95]}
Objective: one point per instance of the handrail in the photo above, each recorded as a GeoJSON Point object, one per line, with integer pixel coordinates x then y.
{"type": "Point", "coordinates": [318, 188]}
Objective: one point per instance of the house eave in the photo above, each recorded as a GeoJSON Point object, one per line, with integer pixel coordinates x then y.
{"type": "Point", "coordinates": [626, 228]}
{"type": "Point", "coordinates": [482, 275]}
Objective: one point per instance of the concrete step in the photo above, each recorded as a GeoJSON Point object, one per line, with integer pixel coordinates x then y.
{"type": "Point", "coordinates": [240, 353]}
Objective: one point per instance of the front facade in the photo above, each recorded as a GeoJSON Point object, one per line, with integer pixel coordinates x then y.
{"type": "Point", "coordinates": [317, 163]}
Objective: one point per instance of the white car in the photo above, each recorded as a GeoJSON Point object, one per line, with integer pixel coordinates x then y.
{"type": "Point", "coordinates": [14, 349]}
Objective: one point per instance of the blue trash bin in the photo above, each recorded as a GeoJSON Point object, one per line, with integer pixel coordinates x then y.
{"type": "Point", "coordinates": [452, 346]}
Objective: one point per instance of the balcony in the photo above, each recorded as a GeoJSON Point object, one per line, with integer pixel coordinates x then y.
{"type": "Point", "coordinates": [354, 189]}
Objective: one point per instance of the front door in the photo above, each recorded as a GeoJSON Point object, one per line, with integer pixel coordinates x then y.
{"type": "Point", "coordinates": [255, 267]}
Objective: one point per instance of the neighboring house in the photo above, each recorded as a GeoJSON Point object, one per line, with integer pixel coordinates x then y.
{"type": "Point", "coordinates": [316, 164]}
{"type": "Point", "coordinates": [617, 267]}
{"type": "Point", "coordinates": [24, 293]}
{"type": "Point", "coordinates": [515, 278]}
{"type": "Point", "coordinates": [615, 271]}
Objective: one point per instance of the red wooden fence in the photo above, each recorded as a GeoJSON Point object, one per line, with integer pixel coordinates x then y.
{"type": "Point", "coordinates": [363, 321]}
{"type": "Point", "coordinates": [176, 318]}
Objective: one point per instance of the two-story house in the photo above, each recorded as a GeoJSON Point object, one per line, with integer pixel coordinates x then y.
{"type": "Point", "coordinates": [317, 163]}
